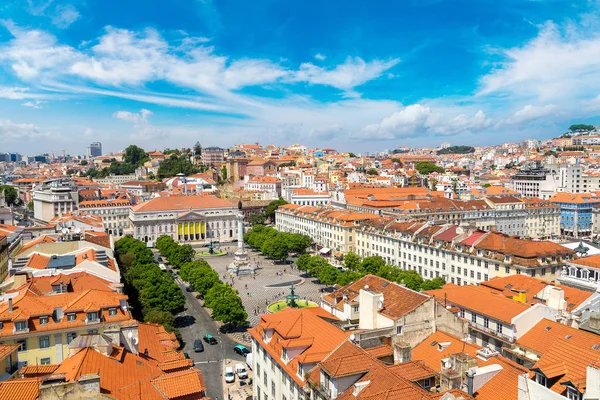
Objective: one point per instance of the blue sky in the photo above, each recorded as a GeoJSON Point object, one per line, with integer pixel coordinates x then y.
{"type": "Point", "coordinates": [354, 75]}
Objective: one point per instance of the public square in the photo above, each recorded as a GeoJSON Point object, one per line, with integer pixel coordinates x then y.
{"type": "Point", "coordinates": [255, 291]}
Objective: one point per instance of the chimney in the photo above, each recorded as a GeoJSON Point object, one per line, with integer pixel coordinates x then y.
{"type": "Point", "coordinates": [470, 376]}
{"type": "Point", "coordinates": [10, 305]}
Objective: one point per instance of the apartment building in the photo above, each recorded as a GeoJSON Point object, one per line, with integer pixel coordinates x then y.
{"type": "Point", "coordinates": [576, 212]}
{"type": "Point", "coordinates": [330, 228]}
{"type": "Point", "coordinates": [374, 303]}
{"type": "Point", "coordinates": [54, 198]}
{"type": "Point", "coordinates": [582, 273]}
{"type": "Point", "coordinates": [269, 184]}
{"type": "Point", "coordinates": [114, 213]}
{"type": "Point", "coordinates": [286, 346]}
{"type": "Point", "coordinates": [543, 181]}
{"type": "Point", "coordinates": [3, 256]}
{"type": "Point", "coordinates": [43, 325]}
{"type": "Point", "coordinates": [461, 256]}
{"type": "Point", "coordinates": [309, 197]}
{"type": "Point", "coordinates": [494, 320]}
{"type": "Point", "coordinates": [116, 180]}
{"type": "Point", "coordinates": [213, 155]}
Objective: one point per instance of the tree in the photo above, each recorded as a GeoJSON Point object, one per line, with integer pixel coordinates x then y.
{"type": "Point", "coordinates": [351, 155]}
{"type": "Point", "coordinates": [412, 280]}
{"type": "Point", "coordinates": [351, 261]}
{"type": "Point", "coordinates": [396, 160]}
{"type": "Point", "coordinates": [347, 277]}
{"type": "Point", "coordinates": [328, 275]}
{"type": "Point", "coordinates": [370, 265]}
{"type": "Point", "coordinates": [432, 284]}
{"type": "Point", "coordinates": [30, 206]}
{"type": "Point", "coordinates": [230, 310]}
{"type": "Point", "coordinates": [10, 194]}
{"type": "Point", "coordinates": [457, 150]}
{"type": "Point", "coordinates": [224, 173]}
{"type": "Point", "coordinates": [197, 149]}
{"type": "Point", "coordinates": [581, 127]}
{"type": "Point", "coordinates": [276, 248]}
{"type": "Point", "coordinates": [296, 242]}
{"type": "Point", "coordinates": [302, 262]}
{"type": "Point", "coordinates": [426, 168]}
{"type": "Point", "coordinates": [83, 163]}
{"type": "Point", "coordinates": [316, 264]}
{"type": "Point", "coordinates": [134, 155]}
{"type": "Point", "coordinates": [163, 318]}
{"type": "Point", "coordinates": [176, 164]}
{"type": "Point", "coordinates": [372, 171]}
{"type": "Point", "coordinates": [257, 218]}
{"type": "Point", "coordinates": [273, 206]}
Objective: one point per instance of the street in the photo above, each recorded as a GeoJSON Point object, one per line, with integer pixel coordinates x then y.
{"type": "Point", "coordinates": [210, 361]}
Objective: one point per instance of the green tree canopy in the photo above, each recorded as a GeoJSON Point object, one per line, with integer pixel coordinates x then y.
{"type": "Point", "coordinates": [426, 168]}
{"type": "Point", "coordinates": [581, 127]}
{"type": "Point", "coordinates": [302, 262]}
{"type": "Point", "coordinates": [457, 150]}
{"type": "Point", "coordinates": [257, 218]}
{"type": "Point", "coordinates": [274, 205]}
{"type": "Point", "coordinates": [372, 171]}
{"type": "Point", "coordinates": [328, 275]}
{"type": "Point", "coordinates": [351, 155]}
{"type": "Point", "coordinates": [83, 162]}
{"type": "Point", "coordinates": [134, 155]}
{"type": "Point", "coordinates": [10, 194]}
{"type": "Point", "coordinates": [351, 261]}
{"type": "Point", "coordinates": [370, 265]}
{"type": "Point", "coordinates": [176, 164]}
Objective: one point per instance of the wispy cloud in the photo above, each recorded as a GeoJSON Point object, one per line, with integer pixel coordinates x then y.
{"type": "Point", "coordinates": [34, 104]}
{"type": "Point", "coordinates": [65, 15]}
{"type": "Point", "coordinates": [320, 56]}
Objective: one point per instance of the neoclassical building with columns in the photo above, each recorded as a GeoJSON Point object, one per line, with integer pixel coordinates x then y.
{"type": "Point", "coordinates": [192, 218]}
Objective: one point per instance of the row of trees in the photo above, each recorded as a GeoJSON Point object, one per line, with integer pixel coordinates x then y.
{"type": "Point", "coordinates": [274, 244]}
{"type": "Point", "coordinates": [154, 295]}
{"type": "Point", "coordinates": [222, 299]}
{"type": "Point", "coordinates": [10, 194]}
{"type": "Point", "coordinates": [176, 254]}
{"type": "Point", "coordinates": [355, 268]}
{"type": "Point", "coordinates": [177, 163]}
{"type": "Point", "coordinates": [133, 157]}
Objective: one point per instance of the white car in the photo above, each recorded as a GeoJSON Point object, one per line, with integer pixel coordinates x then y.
{"type": "Point", "coordinates": [241, 372]}
{"type": "Point", "coordinates": [229, 375]}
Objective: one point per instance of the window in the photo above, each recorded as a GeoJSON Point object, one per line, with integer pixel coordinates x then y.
{"type": "Point", "coordinates": [112, 312]}
{"type": "Point", "coordinates": [541, 379]}
{"type": "Point", "coordinates": [498, 327]}
{"type": "Point", "coordinates": [573, 394]}
{"type": "Point", "coordinates": [462, 313]}
{"type": "Point", "coordinates": [22, 345]}
{"type": "Point", "coordinates": [473, 317]}
{"type": "Point", "coordinates": [45, 361]}
{"type": "Point", "coordinates": [356, 309]}
{"type": "Point", "coordinates": [398, 329]}
{"type": "Point", "coordinates": [20, 325]}
{"type": "Point", "coordinates": [507, 270]}
{"type": "Point", "coordinates": [518, 271]}
{"type": "Point", "coordinates": [92, 316]}
{"type": "Point", "coordinates": [44, 342]}
{"type": "Point", "coordinates": [273, 389]}
{"type": "Point", "coordinates": [43, 320]}
{"type": "Point", "coordinates": [71, 317]}
{"type": "Point", "coordinates": [427, 383]}
{"type": "Point", "coordinates": [71, 336]}
{"type": "Point", "coordinates": [486, 322]}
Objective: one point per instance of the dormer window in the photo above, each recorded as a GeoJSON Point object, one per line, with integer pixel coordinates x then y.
{"type": "Point", "coordinates": [541, 379]}
{"type": "Point", "coordinates": [20, 326]}
{"type": "Point", "coordinates": [112, 312]}
{"type": "Point", "coordinates": [43, 320]}
{"type": "Point", "coordinates": [284, 354]}
{"type": "Point", "coordinates": [71, 317]}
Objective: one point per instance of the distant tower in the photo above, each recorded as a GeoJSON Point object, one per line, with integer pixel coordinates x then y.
{"type": "Point", "coordinates": [95, 149]}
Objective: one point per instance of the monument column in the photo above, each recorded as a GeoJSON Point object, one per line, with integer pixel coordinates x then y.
{"type": "Point", "coordinates": [240, 223]}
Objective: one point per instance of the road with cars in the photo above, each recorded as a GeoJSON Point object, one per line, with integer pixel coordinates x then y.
{"type": "Point", "coordinates": [194, 323]}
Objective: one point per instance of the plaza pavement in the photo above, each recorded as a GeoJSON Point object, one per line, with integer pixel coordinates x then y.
{"type": "Point", "coordinates": [254, 292]}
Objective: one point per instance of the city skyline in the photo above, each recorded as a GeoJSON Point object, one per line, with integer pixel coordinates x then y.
{"type": "Point", "coordinates": [352, 77]}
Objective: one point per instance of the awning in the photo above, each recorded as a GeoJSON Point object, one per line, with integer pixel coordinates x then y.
{"type": "Point", "coordinates": [324, 250]}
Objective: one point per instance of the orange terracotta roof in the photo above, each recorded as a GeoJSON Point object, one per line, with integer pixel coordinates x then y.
{"type": "Point", "coordinates": [299, 324]}
{"type": "Point", "coordinates": [413, 370]}
{"type": "Point", "coordinates": [7, 349]}
{"type": "Point", "coordinates": [20, 389]}
{"type": "Point", "coordinates": [34, 370]}
{"type": "Point", "coordinates": [481, 300]}
{"type": "Point", "coordinates": [36, 241]}
{"type": "Point", "coordinates": [182, 203]}
{"type": "Point", "coordinates": [179, 384]}
{"type": "Point", "coordinates": [568, 362]}
{"type": "Point", "coordinates": [543, 335]}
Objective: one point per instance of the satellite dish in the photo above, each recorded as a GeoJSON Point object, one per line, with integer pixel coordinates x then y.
{"type": "Point", "coordinates": [352, 337]}
{"type": "Point", "coordinates": [77, 230]}
{"type": "Point", "coordinates": [65, 231]}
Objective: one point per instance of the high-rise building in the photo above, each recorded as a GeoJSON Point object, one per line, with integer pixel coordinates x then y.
{"type": "Point", "coordinates": [95, 149]}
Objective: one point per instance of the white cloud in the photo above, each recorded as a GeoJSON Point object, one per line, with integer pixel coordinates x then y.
{"type": "Point", "coordinates": [352, 73]}
{"type": "Point", "coordinates": [88, 132]}
{"type": "Point", "coordinates": [320, 56]}
{"type": "Point", "coordinates": [416, 120]}
{"type": "Point", "coordinates": [529, 113]}
{"type": "Point", "coordinates": [14, 93]}
{"type": "Point", "coordinates": [34, 104]}
{"type": "Point", "coordinates": [11, 131]}
{"type": "Point", "coordinates": [65, 15]}
{"type": "Point", "coordinates": [555, 65]}
{"type": "Point", "coordinates": [136, 118]}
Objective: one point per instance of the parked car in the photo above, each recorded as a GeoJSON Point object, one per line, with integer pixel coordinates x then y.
{"type": "Point", "coordinates": [198, 346]}
{"type": "Point", "coordinates": [240, 371]}
{"type": "Point", "coordinates": [229, 375]}
{"type": "Point", "coordinates": [199, 296]}
{"type": "Point", "coordinates": [241, 350]}
{"type": "Point", "coordinates": [189, 289]}
{"type": "Point", "coordinates": [210, 339]}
